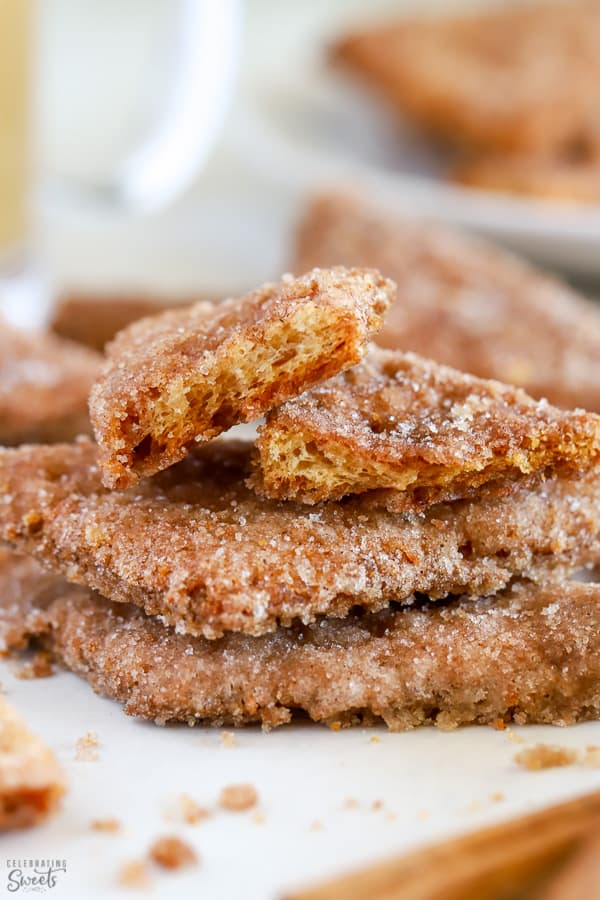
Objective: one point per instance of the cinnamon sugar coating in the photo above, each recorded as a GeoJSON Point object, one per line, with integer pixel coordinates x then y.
{"type": "Point", "coordinates": [31, 781]}
{"type": "Point", "coordinates": [187, 375]}
{"type": "Point", "coordinates": [44, 385]}
{"type": "Point", "coordinates": [403, 424]}
{"type": "Point", "coordinates": [530, 654]}
{"type": "Point", "coordinates": [548, 178]}
{"type": "Point", "coordinates": [517, 77]}
{"type": "Point", "coordinates": [463, 302]}
{"type": "Point", "coordinates": [197, 547]}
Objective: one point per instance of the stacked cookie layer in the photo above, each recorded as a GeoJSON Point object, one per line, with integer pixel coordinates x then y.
{"type": "Point", "coordinates": [397, 545]}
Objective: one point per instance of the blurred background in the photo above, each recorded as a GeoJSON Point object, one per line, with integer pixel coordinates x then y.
{"type": "Point", "coordinates": [167, 147]}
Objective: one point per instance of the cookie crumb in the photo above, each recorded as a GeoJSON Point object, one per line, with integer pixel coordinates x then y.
{"type": "Point", "coordinates": [497, 797]}
{"type": "Point", "coordinates": [86, 748]}
{"type": "Point", "coordinates": [258, 819]}
{"type": "Point", "coordinates": [351, 803]}
{"type": "Point", "coordinates": [474, 807]}
{"type": "Point", "coordinates": [374, 739]}
{"type": "Point", "coordinates": [591, 757]}
{"type": "Point", "coordinates": [336, 726]}
{"type": "Point", "coordinates": [228, 739]}
{"type": "Point", "coordinates": [545, 756]}
{"type": "Point", "coordinates": [106, 825]}
{"type": "Point", "coordinates": [377, 805]}
{"type": "Point", "coordinates": [513, 736]}
{"type": "Point", "coordinates": [499, 725]}
{"type": "Point", "coordinates": [171, 852]}
{"type": "Point", "coordinates": [134, 875]}
{"type": "Point", "coordinates": [238, 797]}
{"type": "Point", "coordinates": [39, 667]}
{"type": "Point", "coordinates": [190, 811]}
{"type": "Point", "coordinates": [317, 825]}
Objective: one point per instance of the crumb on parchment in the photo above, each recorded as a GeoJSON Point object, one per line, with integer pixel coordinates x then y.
{"type": "Point", "coordinates": [86, 748]}
{"type": "Point", "coordinates": [108, 826]}
{"type": "Point", "coordinates": [170, 852]}
{"type": "Point", "coordinates": [38, 667]}
{"type": "Point", "coordinates": [191, 812]}
{"type": "Point", "coordinates": [591, 757]}
{"type": "Point", "coordinates": [546, 756]}
{"type": "Point", "coordinates": [238, 797]}
{"type": "Point", "coordinates": [134, 875]}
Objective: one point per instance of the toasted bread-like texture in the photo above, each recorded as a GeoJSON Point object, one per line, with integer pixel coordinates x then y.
{"type": "Point", "coordinates": [185, 376]}
{"type": "Point", "coordinates": [529, 654]}
{"type": "Point", "coordinates": [463, 302]}
{"type": "Point", "coordinates": [31, 782]}
{"type": "Point", "coordinates": [518, 77]}
{"type": "Point", "coordinates": [197, 547]}
{"type": "Point", "coordinates": [44, 386]}
{"type": "Point", "coordinates": [548, 178]}
{"type": "Point", "coordinates": [406, 425]}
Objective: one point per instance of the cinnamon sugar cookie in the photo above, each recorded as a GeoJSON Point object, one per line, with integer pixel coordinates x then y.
{"type": "Point", "coordinates": [529, 654]}
{"type": "Point", "coordinates": [519, 77]}
{"type": "Point", "coordinates": [408, 426]}
{"type": "Point", "coordinates": [31, 782]}
{"type": "Point", "coordinates": [197, 547]}
{"type": "Point", "coordinates": [95, 318]}
{"type": "Point", "coordinates": [185, 376]}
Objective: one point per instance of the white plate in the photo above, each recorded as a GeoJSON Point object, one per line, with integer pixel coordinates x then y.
{"type": "Point", "coordinates": [317, 128]}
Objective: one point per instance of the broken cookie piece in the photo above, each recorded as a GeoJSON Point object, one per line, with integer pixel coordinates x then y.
{"type": "Point", "coordinates": [528, 654]}
{"type": "Point", "coordinates": [31, 782]}
{"type": "Point", "coordinates": [187, 375]}
{"type": "Point", "coordinates": [417, 431]}
{"type": "Point", "coordinates": [197, 547]}
{"type": "Point", "coordinates": [44, 386]}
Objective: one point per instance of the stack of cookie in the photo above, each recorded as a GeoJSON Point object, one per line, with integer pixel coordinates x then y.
{"type": "Point", "coordinates": [397, 544]}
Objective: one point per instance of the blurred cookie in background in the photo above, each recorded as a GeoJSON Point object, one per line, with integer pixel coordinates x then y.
{"type": "Point", "coordinates": [562, 179]}
{"type": "Point", "coordinates": [512, 87]}
{"type": "Point", "coordinates": [44, 386]}
{"type": "Point", "coordinates": [94, 318]}
{"type": "Point", "coordinates": [462, 301]}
